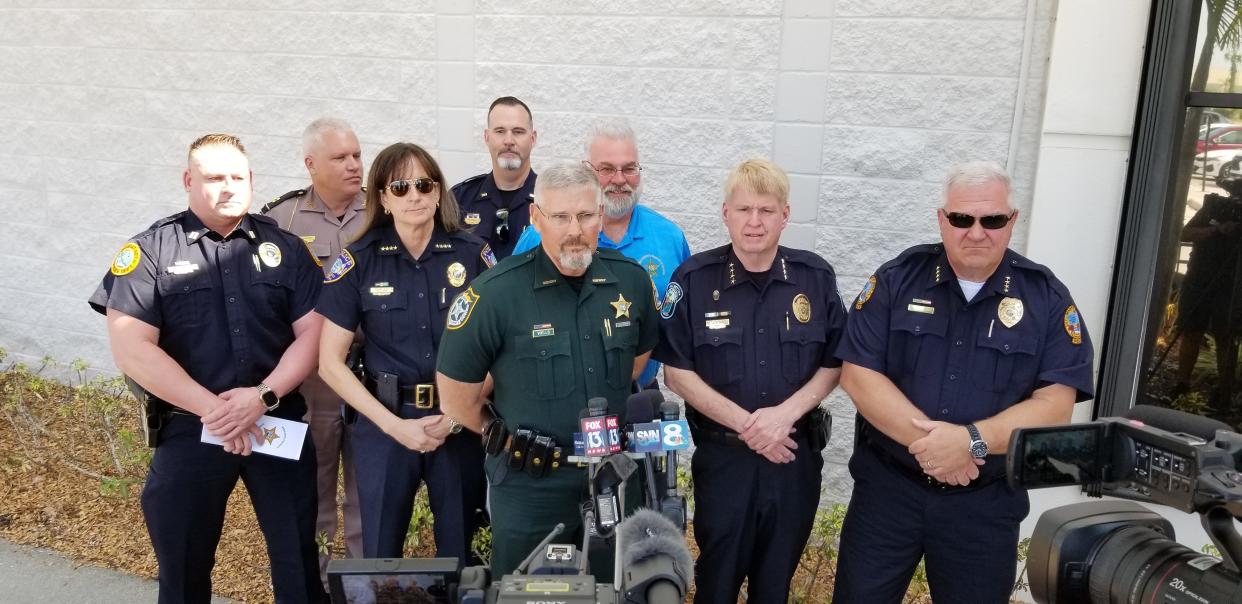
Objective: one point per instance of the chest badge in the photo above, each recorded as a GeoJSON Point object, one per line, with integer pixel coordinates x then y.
{"type": "Point", "coordinates": [1009, 312]}
{"type": "Point", "coordinates": [126, 260]}
{"type": "Point", "coordinates": [473, 218]}
{"type": "Point", "coordinates": [456, 274]}
{"type": "Point", "coordinates": [622, 306]}
{"type": "Point", "coordinates": [802, 308]}
{"type": "Point", "coordinates": [269, 254]}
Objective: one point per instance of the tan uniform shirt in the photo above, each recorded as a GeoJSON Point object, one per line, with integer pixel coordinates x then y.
{"type": "Point", "coordinates": [305, 215]}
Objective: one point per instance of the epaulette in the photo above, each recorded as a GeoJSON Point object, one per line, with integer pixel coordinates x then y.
{"type": "Point", "coordinates": [279, 200]}
{"type": "Point", "coordinates": [806, 258]}
{"type": "Point", "coordinates": [613, 255]}
{"type": "Point", "coordinates": [164, 221]}
{"type": "Point", "coordinates": [923, 249]}
{"type": "Point", "coordinates": [468, 181]}
{"type": "Point", "coordinates": [264, 219]}
{"type": "Point", "coordinates": [697, 261]}
{"type": "Point", "coordinates": [507, 265]}
{"type": "Point", "coordinates": [1021, 262]}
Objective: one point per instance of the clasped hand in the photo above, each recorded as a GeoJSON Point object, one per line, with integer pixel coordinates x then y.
{"type": "Point", "coordinates": [944, 453]}
{"type": "Point", "coordinates": [767, 432]}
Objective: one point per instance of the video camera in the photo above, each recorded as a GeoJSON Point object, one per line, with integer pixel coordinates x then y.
{"type": "Point", "coordinates": [1118, 551]}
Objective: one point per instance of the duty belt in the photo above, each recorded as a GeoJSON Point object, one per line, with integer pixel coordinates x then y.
{"type": "Point", "coordinates": [918, 476]}
{"type": "Point", "coordinates": [421, 396]}
{"type": "Point", "coordinates": [732, 439]}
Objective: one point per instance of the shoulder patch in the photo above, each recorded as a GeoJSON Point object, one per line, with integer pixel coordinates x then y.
{"type": "Point", "coordinates": [343, 264]}
{"type": "Point", "coordinates": [1073, 325]}
{"type": "Point", "coordinates": [672, 296]}
{"type": "Point", "coordinates": [463, 305]}
{"type": "Point", "coordinates": [864, 295]}
{"type": "Point", "coordinates": [489, 257]}
{"type": "Point", "coordinates": [306, 241]}
{"type": "Point", "coordinates": [283, 198]}
{"type": "Point", "coordinates": [127, 259]}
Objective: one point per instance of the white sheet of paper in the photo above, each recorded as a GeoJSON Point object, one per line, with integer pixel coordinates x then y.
{"type": "Point", "coordinates": [281, 437]}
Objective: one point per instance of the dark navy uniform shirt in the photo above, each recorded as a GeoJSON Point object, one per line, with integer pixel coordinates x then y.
{"type": "Point", "coordinates": [756, 345]}
{"type": "Point", "coordinates": [480, 199]}
{"type": "Point", "coordinates": [401, 301]}
{"type": "Point", "coordinates": [960, 361]}
{"type": "Point", "coordinates": [225, 306]}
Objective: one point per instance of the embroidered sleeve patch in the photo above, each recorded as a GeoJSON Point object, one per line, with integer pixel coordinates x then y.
{"type": "Point", "coordinates": [488, 257]}
{"type": "Point", "coordinates": [672, 296]}
{"type": "Point", "coordinates": [343, 264]}
{"type": "Point", "coordinates": [463, 305]}
{"type": "Point", "coordinates": [127, 259]}
{"type": "Point", "coordinates": [864, 295]}
{"type": "Point", "coordinates": [1073, 325]}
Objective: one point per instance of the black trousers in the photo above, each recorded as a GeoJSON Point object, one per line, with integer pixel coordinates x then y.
{"type": "Point", "coordinates": [184, 503]}
{"type": "Point", "coordinates": [968, 539]}
{"type": "Point", "coordinates": [752, 519]}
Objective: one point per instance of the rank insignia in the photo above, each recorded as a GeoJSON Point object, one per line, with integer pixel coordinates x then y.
{"type": "Point", "coordinates": [473, 218]}
{"type": "Point", "coordinates": [802, 308]}
{"type": "Point", "coordinates": [1009, 311]}
{"type": "Point", "coordinates": [864, 295]}
{"type": "Point", "coordinates": [343, 264]}
{"type": "Point", "coordinates": [488, 256]}
{"type": "Point", "coordinates": [269, 254]}
{"type": "Point", "coordinates": [126, 260]}
{"type": "Point", "coordinates": [622, 306]}
{"type": "Point", "coordinates": [456, 274]}
{"type": "Point", "coordinates": [463, 305]}
{"type": "Point", "coordinates": [1073, 325]}
{"type": "Point", "coordinates": [671, 297]}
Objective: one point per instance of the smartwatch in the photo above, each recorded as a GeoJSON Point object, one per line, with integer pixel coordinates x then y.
{"type": "Point", "coordinates": [978, 448]}
{"type": "Point", "coordinates": [269, 398]}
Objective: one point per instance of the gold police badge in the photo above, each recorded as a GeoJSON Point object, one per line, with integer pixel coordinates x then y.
{"type": "Point", "coordinates": [456, 274]}
{"type": "Point", "coordinates": [1009, 312]}
{"type": "Point", "coordinates": [802, 308]}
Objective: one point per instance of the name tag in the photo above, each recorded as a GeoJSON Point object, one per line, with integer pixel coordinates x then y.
{"type": "Point", "coordinates": [927, 310]}
{"type": "Point", "coordinates": [382, 289]}
{"type": "Point", "coordinates": [182, 267]}
{"type": "Point", "coordinates": [542, 330]}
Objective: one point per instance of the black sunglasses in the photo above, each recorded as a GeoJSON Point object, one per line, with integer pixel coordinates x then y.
{"type": "Point", "coordinates": [502, 229]}
{"type": "Point", "coordinates": [990, 222]}
{"type": "Point", "coordinates": [401, 187]}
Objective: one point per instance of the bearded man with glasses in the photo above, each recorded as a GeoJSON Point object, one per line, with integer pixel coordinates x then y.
{"type": "Point", "coordinates": [948, 349]}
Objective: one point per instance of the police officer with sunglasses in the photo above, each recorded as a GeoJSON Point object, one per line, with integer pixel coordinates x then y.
{"type": "Point", "coordinates": [496, 205]}
{"type": "Point", "coordinates": [947, 349]}
{"type": "Point", "coordinates": [396, 282]}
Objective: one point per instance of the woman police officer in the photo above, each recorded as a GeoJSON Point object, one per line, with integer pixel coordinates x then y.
{"type": "Point", "coordinates": [397, 281]}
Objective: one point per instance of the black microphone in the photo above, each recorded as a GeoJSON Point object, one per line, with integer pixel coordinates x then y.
{"type": "Point", "coordinates": [670, 412]}
{"type": "Point", "coordinates": [641, 408]}
{"type": "Point", "coordinates": [658, 566]}
{"type": "Point", "coordinates": [1172, 420]}
{"type": "Point", "coordinates": [606, 482]}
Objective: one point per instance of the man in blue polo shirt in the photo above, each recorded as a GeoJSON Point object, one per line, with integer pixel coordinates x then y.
{"type": "Point", "coordinates": [638, 232]}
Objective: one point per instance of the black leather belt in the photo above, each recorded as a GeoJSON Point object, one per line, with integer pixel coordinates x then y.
{"type": "Point", "coordinates": [731, 439]}
{"type": "Point", "coordinates": [421, 396]}
{"type": "Point", "coordinates": [926, 481]}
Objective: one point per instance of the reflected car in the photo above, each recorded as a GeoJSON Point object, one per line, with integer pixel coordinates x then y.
{"type": "Point", "coordinates": [1224, 137]}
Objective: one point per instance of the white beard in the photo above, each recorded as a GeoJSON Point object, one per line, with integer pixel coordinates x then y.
{"type": "Point", "coordinates": [619, 207]}
{"type": "Point", "coordinates": [576, 261]}
{"type": "Point", "coordinates": [509, 163]}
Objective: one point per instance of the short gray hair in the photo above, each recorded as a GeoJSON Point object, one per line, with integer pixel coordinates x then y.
{"type": "Point", "coordinates": [567, 175]}
{"type": "Point", "coordinates": [974, 174]}
{"type": "Point", "coordinates": [611, 129]}
{"type": "Point", "coordinates": [313, 135]}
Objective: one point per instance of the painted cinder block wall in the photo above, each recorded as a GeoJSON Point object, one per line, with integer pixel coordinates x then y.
{"type": "Point", "coordinates": [863, 102]}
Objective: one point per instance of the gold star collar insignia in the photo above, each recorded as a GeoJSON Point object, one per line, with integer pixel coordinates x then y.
{"type": "Point", "coordinates": [622, 305]}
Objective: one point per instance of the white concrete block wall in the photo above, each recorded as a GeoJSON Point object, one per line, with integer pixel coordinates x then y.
{"type": "Point", "coordinates": [864, 102]}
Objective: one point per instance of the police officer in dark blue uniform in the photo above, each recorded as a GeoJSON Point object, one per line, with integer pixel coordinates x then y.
{"type": "Point", "coordinates": [209, 311]}
{"type": "Point", "coordinates": [397, 281]}
{"type": "Point", "coordinates": [747, 340]}
{"type": "Point", "coordinates": [948, 349]}
{"type": "Point", "coordinates": [496, 205]}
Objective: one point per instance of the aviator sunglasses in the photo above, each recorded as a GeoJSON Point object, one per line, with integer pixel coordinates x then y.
{"type": "Point", "coordinates": [401, 187]}
{"type": "Point", "coordinates": [990, 222]}
{"type": "Point", "coordinates": [502, 228]}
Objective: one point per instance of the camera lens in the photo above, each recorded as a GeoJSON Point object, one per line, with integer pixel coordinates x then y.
{"type": "Point", "coordinates": [1138, 564]}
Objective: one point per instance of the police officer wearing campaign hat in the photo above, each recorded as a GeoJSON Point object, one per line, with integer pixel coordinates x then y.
{"type": "Point", "coordinates": [326, 215]}
{"type": "Point", "coordinates": [553, 327]}
{"type": "Point", "coordinates": [496, 205]}
{"type": "Point", "coordinates": [396, 282]}
{"type": "Point", "coordinates": [949, 348]}
{"type": "Point", "coordinates": [747, 339]}
{"type": "Point", "coordinates": [209, 311]}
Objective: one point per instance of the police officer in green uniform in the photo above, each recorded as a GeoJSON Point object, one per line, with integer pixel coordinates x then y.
{"type": "Point", "coordinates": [553, 327]}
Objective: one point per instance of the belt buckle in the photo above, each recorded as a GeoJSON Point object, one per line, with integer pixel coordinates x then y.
{"type": "Point", "coordinates": [424, 396]}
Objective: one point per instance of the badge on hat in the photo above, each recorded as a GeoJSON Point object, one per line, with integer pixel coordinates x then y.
{"type": "Point", "coordinates": [343, 264]}
{"type": "Point", "coordinates": [269, 254]}
{"type": "Point", "coordinates": [1073, 325]}
{"type": "Point", "coordinates": [472, 218]}
{"type": "Point", "coordinates": [865, 294]}
{"type": "Point", "coordinates": [672, 296]}
{"type": "Point", "coordinates": [802, 308]}
{"type": "Point", "coordinates": [463, 305]}
{"type": "Point", "coordinates": [126, 260]}
{"type": "Point", "coordinates": [456, 274]}
{"type": "Point", "coordinates": [488, 256]}
{"type": "Point", "coordinates": [1009, 312]}
{"type": "Point", "coordinates": [622, 306]}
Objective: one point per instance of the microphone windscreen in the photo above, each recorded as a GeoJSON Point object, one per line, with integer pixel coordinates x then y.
{"type": "Point", "coordinates": [641, 407]}
{"type": "Point", "coordinates": [648, 533]}
{"type": "Point", "coordinates": [1172, 420]}
{"type": "Point", "coordinates": [670, 411]}
{"type": "Point", "coordinates": [597, 406]}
